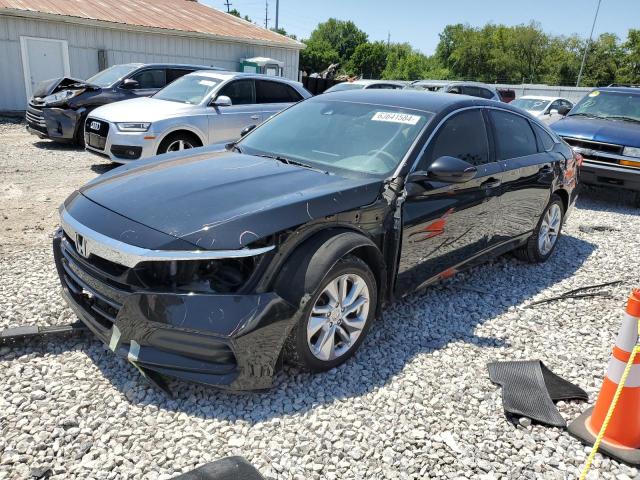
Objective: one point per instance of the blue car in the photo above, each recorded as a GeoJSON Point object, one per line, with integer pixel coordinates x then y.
{"type": "Point", "coordinates": [605, 128]}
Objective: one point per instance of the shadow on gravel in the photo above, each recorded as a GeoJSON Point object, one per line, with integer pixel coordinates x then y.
{"type": "Point", "coordinates": [421, 324]}
{"type": "Point", "coordinates": [51, 145]}
{"type": "Point", "coordinates": [602, 199]}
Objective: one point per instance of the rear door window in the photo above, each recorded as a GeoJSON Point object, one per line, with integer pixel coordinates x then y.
{"type": "Point", "coordinates": [152, 78]}
{"type": "Point", "coordinates": [463, 136]}
{"type": "Point", "coordinates": [275, 92]}
{"type": "Point", "coordinates": [513, 135]}
{"type": "Point", "coordinates": [240, 92]}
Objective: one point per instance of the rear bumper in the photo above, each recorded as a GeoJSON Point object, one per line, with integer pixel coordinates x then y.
{"type": "Point", "coordinates": [230, 341]}
{"type": "Point", "coordinates": [610, 176]}
{"type": "Point", "coordinates": [56, 124]}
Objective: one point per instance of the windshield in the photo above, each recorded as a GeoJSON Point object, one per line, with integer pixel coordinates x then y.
{"type": "Point", "coordinates": [534, 104]}
{"type": "Point", "coordinates": [191, 89]}
{"type": "Point", "coordinates": [339, 137]}
{"type": "Point", "coordinates": [111, 75]}
{"type": "Point", "coordinates": [345, 86]}
{"type": "Point", "coordinates": [604, 104]}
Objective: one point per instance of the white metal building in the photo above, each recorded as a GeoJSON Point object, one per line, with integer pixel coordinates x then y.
{"type": "Point", "coordinates": [43, 39]}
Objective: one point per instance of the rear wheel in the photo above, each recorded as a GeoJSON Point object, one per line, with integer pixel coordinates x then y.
{"type": "Point", "coordinates": [178, 141]}
{"type": "Point", "coordinates": [544, 239]}
{"type": "Point", "coordinates": [336, 319]}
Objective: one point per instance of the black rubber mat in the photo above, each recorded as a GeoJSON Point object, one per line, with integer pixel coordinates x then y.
{"type": "Point", "coordinates": [230, 468]}
{"type": "Point", "coordinates": [529, 389]}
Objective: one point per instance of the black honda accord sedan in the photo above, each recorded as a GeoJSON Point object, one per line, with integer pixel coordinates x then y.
{"type": "Point", "coordinates": [215, 266]}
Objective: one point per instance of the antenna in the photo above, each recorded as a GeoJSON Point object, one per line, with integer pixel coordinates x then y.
{"type": "Point", "coordinates": [266, 14]}
{"type": "Point", "coordinates": [586, 47]}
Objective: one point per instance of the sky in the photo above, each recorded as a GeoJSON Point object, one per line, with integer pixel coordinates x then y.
{"type": "Point", "coordinates": [419, 22]}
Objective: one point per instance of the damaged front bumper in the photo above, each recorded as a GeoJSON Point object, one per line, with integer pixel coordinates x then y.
{"type": "Point", "coordinates": [58, 124]}
{"type": "Point", "coordinates": [228, 340]}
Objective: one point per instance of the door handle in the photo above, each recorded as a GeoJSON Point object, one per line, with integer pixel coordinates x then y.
{"type": "Point", "coordinates": [255, 117]}
{"type": "Point", "coordinates": [491, 183]}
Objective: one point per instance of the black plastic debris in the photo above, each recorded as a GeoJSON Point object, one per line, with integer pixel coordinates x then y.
{"type": "Point", "coordinates": [529, 389]}
{"type": "Point", "coordinates": [230, 468]}
{"type": "Point", "coordinates": [19, 335]}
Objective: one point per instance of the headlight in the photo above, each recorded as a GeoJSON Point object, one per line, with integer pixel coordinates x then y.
{"type": "Point", "coordinates": [133, 126]}
{"type": "Point", "coordinates": [59, 97]}
{"type": "Point", "coordinates": [631, 152]}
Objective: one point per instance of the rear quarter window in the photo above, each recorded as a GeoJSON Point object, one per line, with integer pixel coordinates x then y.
{"type": "Point", "coordinates": [513, 134]}
{"type": "Point", "coordinates": [546, 141]}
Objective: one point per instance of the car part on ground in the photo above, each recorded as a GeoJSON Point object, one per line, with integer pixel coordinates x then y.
{"type": "Point", "coordinates": [208, 269]}
{"type": "Point", "coordinates": [604, 127]}
{"type": "Point", "coordinates": [18, 335]}
{"type": "Point", "coordinates": [580, 292]}
{"type": "Point", "coordinates": [230, 468]}
{"type": "Point", "coordinates": [529, 389]}
{"type": "Point", "coordinates": [200, 108]}
{"type": "Point", "coordinates": [59, 107]}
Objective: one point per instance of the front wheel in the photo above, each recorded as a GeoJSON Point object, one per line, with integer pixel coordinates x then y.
{"type": "Point", "coordinates": [177, 142]}
{"type": "Point", "coordinates": [544, 239]}
{"type": "Point", "coordinates": [336, 319]}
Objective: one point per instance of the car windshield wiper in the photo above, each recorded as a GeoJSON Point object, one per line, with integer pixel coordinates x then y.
{"type": "Point", "coordinates": [590, 115]}
{"type": "Point", "coordinates": [622, 117]}
{"type": "Point", "coordinates": [288, 161]}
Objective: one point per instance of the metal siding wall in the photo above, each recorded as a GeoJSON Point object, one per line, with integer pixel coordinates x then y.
{"type": "Point", "coordinates": [121, 47]}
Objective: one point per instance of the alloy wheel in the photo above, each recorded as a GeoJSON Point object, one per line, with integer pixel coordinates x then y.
{"type": "Point", "coordinates": [178, 145]}
{"type": "Point", "coordinates": [549, 229]}
{"type": "Point", "coordinates": [338, 317]}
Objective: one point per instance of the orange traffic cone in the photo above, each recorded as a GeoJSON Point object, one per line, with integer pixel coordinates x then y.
{"type": "Point", "coordinates": [621, 438]}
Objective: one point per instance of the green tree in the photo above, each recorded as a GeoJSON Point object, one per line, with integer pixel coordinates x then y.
{"type": "Point", "coordinates": [368, 60]}
{"type": "Point", "coordinates": [317, 56]}
{"type": "Point", "coordinates": [282, 31]}
{"type": "Point", "coordinates": [604, 57]}
{"type": "Point", "coordinates": [343, 36]}
{"type": "Point", "coordinates": [630, 69]}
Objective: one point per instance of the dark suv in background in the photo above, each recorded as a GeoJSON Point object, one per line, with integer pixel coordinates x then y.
{"type": "Point", "coordinates": [605, 128]}
{"type": "Point", "coordinates": [59, 106]}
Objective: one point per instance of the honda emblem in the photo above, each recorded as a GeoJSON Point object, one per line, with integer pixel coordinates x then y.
{"type": "Point", "coordinates": [81, 246]}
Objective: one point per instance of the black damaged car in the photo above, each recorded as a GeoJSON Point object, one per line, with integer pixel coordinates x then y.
{"type": "Point", "coordinates": [213, 267]}
{"type": "Point", "coordinates": [58, 108]}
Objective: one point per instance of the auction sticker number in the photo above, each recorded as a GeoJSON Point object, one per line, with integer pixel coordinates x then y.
{"type": "Point", "coordinates": [396, 117]}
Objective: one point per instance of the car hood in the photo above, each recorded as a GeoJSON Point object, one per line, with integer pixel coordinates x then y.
{"type": "Point", "coordinates": [222, 201]}
{"type": "Point", "coordinates": [142, 110]}
{"type": "Point", "coordinates": [47, 87]}
{"type": "Point", "coordinates": [608, 131]}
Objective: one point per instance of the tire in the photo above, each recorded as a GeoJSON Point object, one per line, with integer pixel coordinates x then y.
{"type": "Point", "coordinates": [535, 251]}
{"type": "Point", "coordinates": [298, 349]}
{"type": "Point", "coordinates": [175, 142]}
{"type": "Point", "coordinates": [636, 200]}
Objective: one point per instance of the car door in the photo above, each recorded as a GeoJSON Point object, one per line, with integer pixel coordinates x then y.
{"type": "Point", "coordinates": [528, 173]}
{"type": "Point", "coordinates": [273, 96]}
{"type": "Point", "coordinates": [149, 81]}
{"type": "Point", "coordinates": [226, 123]}
{"type": "Point", "coordinates": [448, 223]}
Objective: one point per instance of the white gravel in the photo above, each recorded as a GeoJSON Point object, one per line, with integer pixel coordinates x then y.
{"type": "Point", "coordinates": [415, 402]}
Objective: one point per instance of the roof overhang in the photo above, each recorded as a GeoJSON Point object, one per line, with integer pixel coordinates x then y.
{"type": "Point", "coordinates": [52, 17]}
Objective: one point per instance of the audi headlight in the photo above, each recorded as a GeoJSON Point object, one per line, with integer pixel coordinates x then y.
{"type": "Point", "coordinates": [59, 98]}
{"type": "Point", "coordinates": [631, 152]}
{"type": "Point", "coordinates": [133, 126]}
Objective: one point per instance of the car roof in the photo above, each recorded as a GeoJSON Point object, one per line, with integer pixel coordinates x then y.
{"type": "Point", "coordinates": [451, 82]}
{"type": "Point", "coordinates": [620, 89]}
{"type": "Point", "coordinates": [372, 82]}
{"type": "Point", "coordinates": [411, 99]}
{"type": "Point", "coordinates": [226, 75]}
{"type": "Point", "coordinates": [539, 97]}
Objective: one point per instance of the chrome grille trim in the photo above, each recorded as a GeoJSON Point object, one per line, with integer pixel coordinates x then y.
{"type": "Point", "coordinates": [130, 255]}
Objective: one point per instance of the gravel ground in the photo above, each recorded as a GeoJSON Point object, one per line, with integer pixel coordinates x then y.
{"type": "Point", "coordinates": [415, 402]}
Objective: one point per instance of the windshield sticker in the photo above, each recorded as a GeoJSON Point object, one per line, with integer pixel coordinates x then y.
{"type": "Point", "coordinates": [595, 93]}
{"type": "Point", "coordinates": [396, 118]}
{"type": "Point", "coordinates": [208, 83]}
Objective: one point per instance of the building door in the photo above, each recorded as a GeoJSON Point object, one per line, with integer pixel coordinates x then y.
{"type": "Point", "coordinates": [43, 59]}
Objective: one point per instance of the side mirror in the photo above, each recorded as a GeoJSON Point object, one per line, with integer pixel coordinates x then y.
{"type": "Point", "coordinates": [130, 84]}
{"type": "Point", "coordinates": [452, 170]}
{"type": "Point", "coordinates": [553, 111]}
{"type": "Point", "coordinates": [246, 130]}
{"type": "Point", "coordinates": [222, 101]}
{"type": "Point", "coordinates": [563, 110]}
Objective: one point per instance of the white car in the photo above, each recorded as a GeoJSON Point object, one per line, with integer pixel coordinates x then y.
{"type": "Point", "coordinates": [201, 108]}
{"type": "Point", "coordinates": [366, 84]}
{"type": "Point", "coordinates": [546, 109]}
{"type": "Point", "coordinates": [473, 89]}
